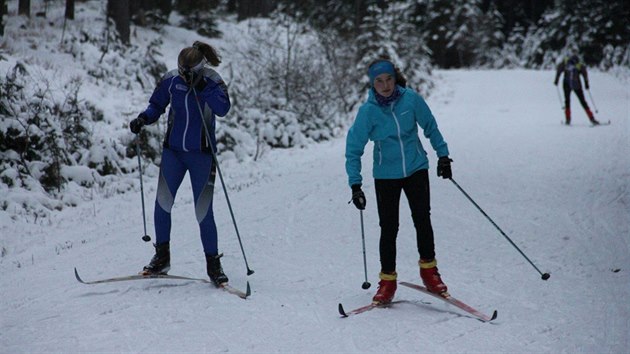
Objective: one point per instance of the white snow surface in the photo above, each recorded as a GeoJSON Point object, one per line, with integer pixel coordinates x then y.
{"type": "Point", "coordinates": [560, 193]}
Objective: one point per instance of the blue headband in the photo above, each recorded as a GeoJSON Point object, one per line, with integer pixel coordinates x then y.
{"type": "Point", "coordinates": [381, 67]}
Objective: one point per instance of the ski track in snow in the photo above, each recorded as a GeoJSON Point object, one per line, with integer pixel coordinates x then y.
{"type": "Point", "coordinates": [560, 193]}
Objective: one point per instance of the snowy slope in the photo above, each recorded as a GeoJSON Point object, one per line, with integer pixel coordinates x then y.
{"type": "Point", "coordinates": [561, 193]}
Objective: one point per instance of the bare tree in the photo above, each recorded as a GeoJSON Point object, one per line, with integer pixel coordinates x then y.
{"type": "Point", "coordinates": [252, 8]}
{"type": "Point", "coordinates": [3, 11]}
{"type": "Point", "coordinates": [24, 8]}
{"type": "Point", "coordinates": [118, 10]}
{"type": "Point", "coordinates": [69, 10]}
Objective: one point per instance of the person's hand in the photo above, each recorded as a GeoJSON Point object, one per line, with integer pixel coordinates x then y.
{"type": "Point", "coordinates": [358, 198]}
{"type": "Point", "coordinates": [444, 167]}
{"type": "Point", "coordinates": [555, 83]}
{"type": "Point", "coordinates": [136, 125]}
{"type": "Point", "coordinates": [586, 85]}
{"type": "Point", "coordinates": [201, 83]}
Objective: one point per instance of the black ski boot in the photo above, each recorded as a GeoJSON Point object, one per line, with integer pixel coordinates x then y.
{"type": "Point", "coordinates": [161, 261]}
{"type": "Point", "coordinates": [215, 271]}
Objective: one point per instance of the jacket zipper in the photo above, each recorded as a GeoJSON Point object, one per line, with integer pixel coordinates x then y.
{"type": "Point", "coordinates": [402, 148]}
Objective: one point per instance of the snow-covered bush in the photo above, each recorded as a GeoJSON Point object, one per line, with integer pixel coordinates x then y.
{"type": "Point", "coordinates": [102, 55]}
{"type": "Point", "coordinates": [281, 88]}
{"type": "Point", "coordinates": [41, 132]}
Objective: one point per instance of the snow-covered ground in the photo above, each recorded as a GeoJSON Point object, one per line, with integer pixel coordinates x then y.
{"type": "Point", "coordinates": [561, 194]}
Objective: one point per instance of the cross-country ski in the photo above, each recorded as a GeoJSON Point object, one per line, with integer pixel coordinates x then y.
{"type": "Point", "coordinates": [225, 286]}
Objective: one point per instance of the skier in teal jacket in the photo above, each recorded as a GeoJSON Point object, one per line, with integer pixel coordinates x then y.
{"type": "Point", "coordinates": [390, 118]}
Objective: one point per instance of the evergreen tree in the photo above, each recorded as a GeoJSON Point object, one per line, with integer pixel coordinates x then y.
{"type": "Point", "coordinates": [388, 32]}
{"type": "Point", "coordinates": [592, 27]}
{"type": "Point", "coordinates": [463, 34]}
{"type": "Point", "coordinates": [491, 38]}
{"type": "Point", "coordinates": [436, 26]}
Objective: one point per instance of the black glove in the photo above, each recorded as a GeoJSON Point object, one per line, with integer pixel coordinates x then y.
{"type": "Point", "coordinates": [201, 84]}
{"type": "Point", "coordinates": [444, 167]}
{"type": "Point", "coordinates": [136, 125]}
{"type": "Point", "coordinates": [586, 84]}
{"type": "Point", "coordinates": [358, 198]}
{"type": "Point", "coordinates": [555, 83]}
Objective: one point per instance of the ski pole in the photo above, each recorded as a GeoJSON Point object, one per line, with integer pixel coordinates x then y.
{"type": "Point", "coordinates": [559, 98]}
{"type": "Point", "coordinates": [591, 96]}
{"type": "Point", "coordinates": [544, 276]}
{"type": "Point", "coordinates": [146, 237]}
{"type": "Point", "coordinates": [216, 162]}
{"type": "Point", "coordinates": [366, 283]}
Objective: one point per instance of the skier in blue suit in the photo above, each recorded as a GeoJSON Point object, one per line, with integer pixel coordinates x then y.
{"type": "Point", "coordinates": [195, 94]}
{"type": "Point", "coordinates": [390, 118]}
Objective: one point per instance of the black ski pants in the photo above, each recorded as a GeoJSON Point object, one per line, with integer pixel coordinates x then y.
{"type": "Point", "coordinates": [579, 93]}
{"type": "Point", "coordinates": [388, 191]}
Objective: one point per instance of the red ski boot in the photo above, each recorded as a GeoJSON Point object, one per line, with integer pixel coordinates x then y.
{"type": "Point", "coordinates": [386, 288]}
{"type": "Point", "coordinates": [431, 277]}
{"type": "Point", "coordinates": [567, 116]}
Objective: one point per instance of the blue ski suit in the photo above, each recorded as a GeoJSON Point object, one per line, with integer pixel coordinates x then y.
{"type": "Point", "coordinates": [186, 147]}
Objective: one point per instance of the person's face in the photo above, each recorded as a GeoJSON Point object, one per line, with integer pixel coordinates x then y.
{"type": "Point", "coordinates": [384, 84]}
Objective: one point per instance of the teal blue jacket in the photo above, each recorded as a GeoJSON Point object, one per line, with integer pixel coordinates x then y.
{"type": "Point", "coordinates": [398, 152]}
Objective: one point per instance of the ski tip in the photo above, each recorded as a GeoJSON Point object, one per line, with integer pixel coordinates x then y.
{"type": "Point", "coordinates": [341, 311]}
{"type": "Point", "coordinates": [494, 316]}
{"type": "Point", "coordinates": [76, 275]}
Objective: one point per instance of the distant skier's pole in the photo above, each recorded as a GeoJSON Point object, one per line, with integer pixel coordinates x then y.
{"type": "Point", "coordinates": [216, 162]}
{"type": "Point", "coordinates": [366, 283]}
{"type": "Point", "coordinates": [591, 96]}
{"type": "Point", "coordinates": [544, 276]}
{"type": "Point", "coordinates": [559, 98]}
{"type": "Point", "coordinates": [146, 237]}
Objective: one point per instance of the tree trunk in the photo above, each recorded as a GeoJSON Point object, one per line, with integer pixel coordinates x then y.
{"type": "Point", "coordinates": [118, 10]}
{"type": "Point", "coordinates": [253, 8]}
{"type": "Point", "coordinates": [231, 6]}
{"type": "Point", "coordinates": [24, 8]}
{"type": "Point", "coordinates": [70, 9]}
{"type": "Point", "coordinates": [3, 11]}
{"type": "Point", "coordinates": [359, 13]}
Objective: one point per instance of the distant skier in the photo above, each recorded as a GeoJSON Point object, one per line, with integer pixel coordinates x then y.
{"type": "Point", "coordinates": [573, 67]}
{"type": "Point", "coordinates": [195, 94]}
{"type": "Point", "coordinates": [390, 118]}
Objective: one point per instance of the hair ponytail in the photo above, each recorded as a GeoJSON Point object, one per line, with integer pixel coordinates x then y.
{"type": "Point", "coordinates": [208, 52]}
{"type": "Point", "coordinates": [401, 80]}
